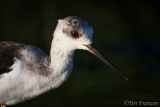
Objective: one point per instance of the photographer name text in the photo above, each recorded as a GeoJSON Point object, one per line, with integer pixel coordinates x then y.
{"type": "Point", "coordinates": [132, 102]}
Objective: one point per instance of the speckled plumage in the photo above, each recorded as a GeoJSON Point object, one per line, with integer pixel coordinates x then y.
{"type": "Point", "coordinates": [75, 23]}
{"type": "Point", "coordinates": [8, 50]}
{"type": "Point", "coordinates": [11, 50]}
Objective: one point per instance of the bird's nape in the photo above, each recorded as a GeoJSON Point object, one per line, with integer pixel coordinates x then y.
{"type": "Point", "coordinates": [97, 53]}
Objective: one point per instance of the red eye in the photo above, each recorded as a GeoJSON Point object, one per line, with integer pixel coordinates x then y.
{"type": "Point", "coordinates": [74, 34]}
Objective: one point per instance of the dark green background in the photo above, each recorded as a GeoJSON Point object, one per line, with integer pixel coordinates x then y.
{"type": "Point", "coordinates": [126, 31]}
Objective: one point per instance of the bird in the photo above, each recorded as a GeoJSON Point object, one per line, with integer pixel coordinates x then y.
{"type": "Point", "coordinates": [27, 71]}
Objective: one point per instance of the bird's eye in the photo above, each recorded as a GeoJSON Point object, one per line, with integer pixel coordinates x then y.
{"type": "Point", "coordinates": [74, 34]}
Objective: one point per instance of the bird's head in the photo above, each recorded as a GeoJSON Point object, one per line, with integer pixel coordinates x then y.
{"type": "Point", "coordinates": [76, 33]}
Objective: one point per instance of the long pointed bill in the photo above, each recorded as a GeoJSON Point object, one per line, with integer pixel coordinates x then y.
{"type": "Point", "coordinates": [95, 51]}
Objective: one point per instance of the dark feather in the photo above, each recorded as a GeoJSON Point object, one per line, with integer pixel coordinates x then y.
{"type": "Point", "coordinates": [8, 50]}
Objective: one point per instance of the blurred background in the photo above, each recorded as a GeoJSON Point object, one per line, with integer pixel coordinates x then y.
{"type": "Point", "coordinates": [126, 31]}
